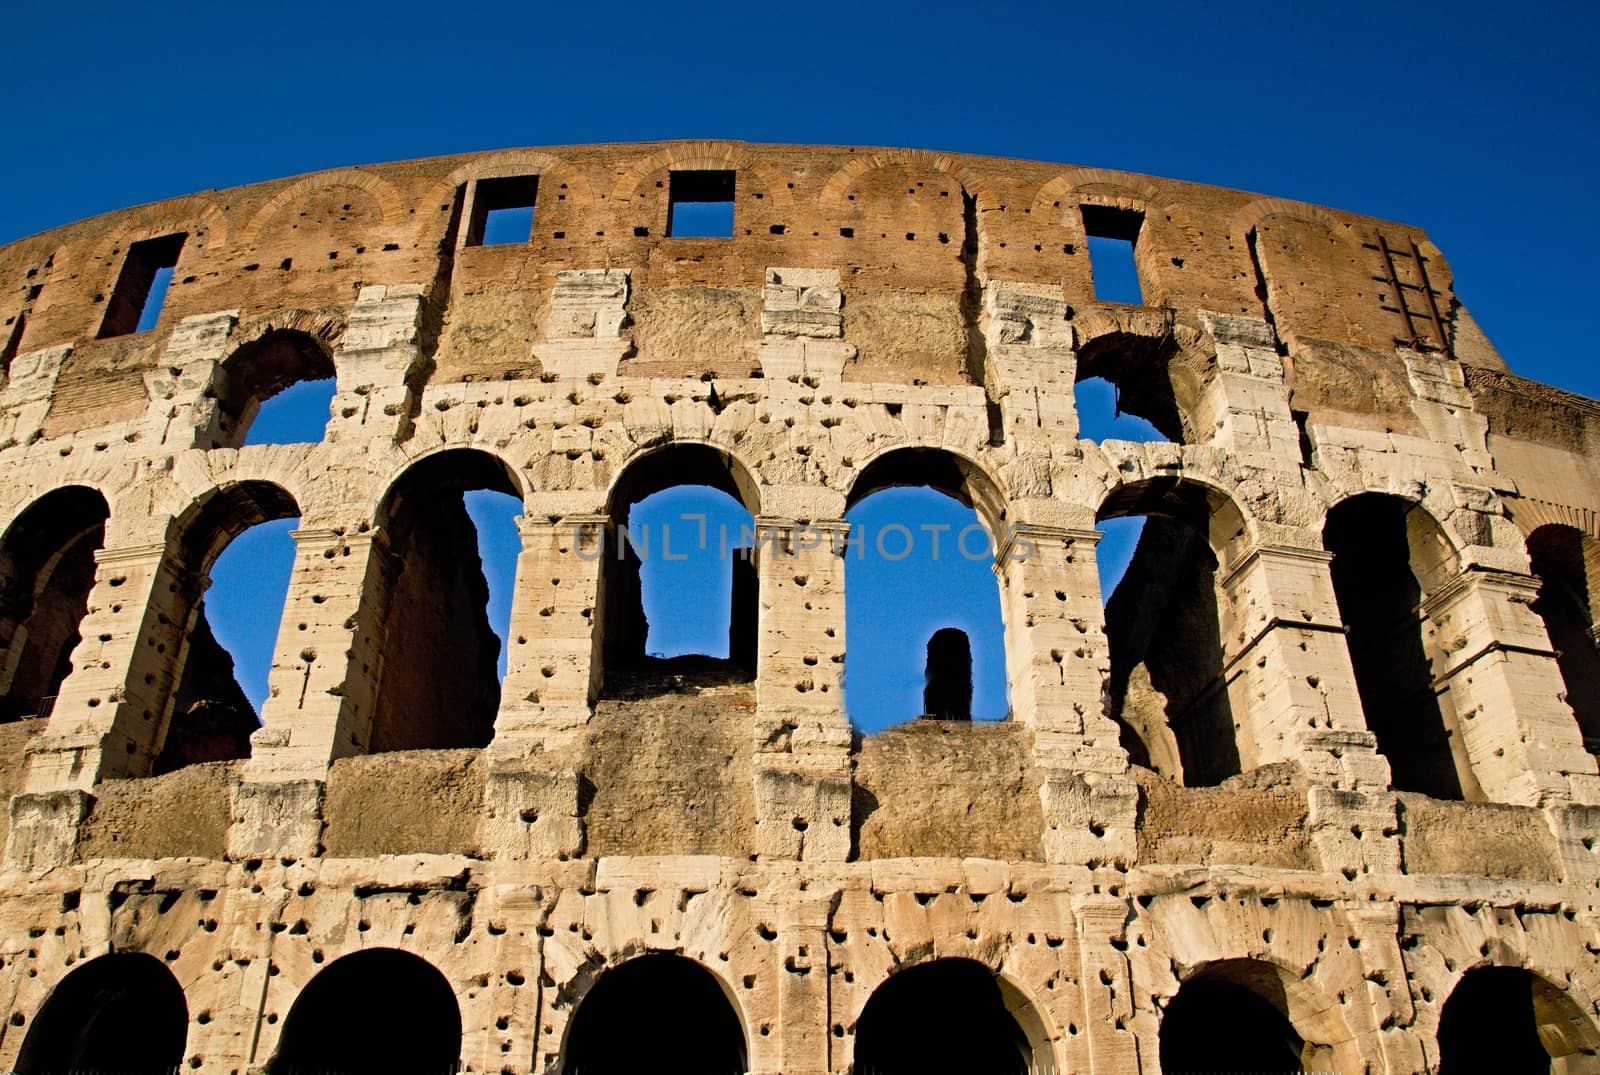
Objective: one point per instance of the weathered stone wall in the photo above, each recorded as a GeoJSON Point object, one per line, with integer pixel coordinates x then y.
{"type": "Point", "coordinates": [877, 317]}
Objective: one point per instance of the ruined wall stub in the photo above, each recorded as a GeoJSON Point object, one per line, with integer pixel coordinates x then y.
{"type": "Point", "coordinates": [875, 317]}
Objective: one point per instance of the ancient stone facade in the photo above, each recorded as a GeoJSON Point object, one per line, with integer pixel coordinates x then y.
{"type": "Point", "coordinates": [1329, 755]}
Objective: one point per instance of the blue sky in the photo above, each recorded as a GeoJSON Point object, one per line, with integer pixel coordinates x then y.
{"type": "Point", "coordinates": [1476, 122]}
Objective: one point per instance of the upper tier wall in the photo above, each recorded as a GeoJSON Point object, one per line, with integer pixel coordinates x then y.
{"type": "Point", "coordinates": [914, 235]}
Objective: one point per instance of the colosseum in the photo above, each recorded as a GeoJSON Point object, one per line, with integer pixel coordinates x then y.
{"type": "Point", "coordinates": [1316, 790]}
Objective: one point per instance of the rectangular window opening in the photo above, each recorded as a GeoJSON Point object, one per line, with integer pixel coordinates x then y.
{"type": "Point", "coordinates": [141, 288]}
{"type": "Point", "coordinates": [700, 205]}
{"type": "Point", "coordinates": [1113, 234]}
{"type": "Point", "coordinates": [502, 211]}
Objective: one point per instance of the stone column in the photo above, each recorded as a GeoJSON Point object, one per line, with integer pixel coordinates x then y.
{"type": "Point", "coordinates": [108, 716]}
{"type": "Point", "coordinates": [1105, 982]}
{"type": "Point", "coordinates": [553, 673]}
{"type": "Point", "coordinates": [320, 692]}
{"type": "Point", "coordinates": [802, 736]}
{"type": "Point", "coordinates": [184, 411]}
{"type": "Point", "coordinates": [1293, 695]}
{"type": "Point", "coordinates": [378, 363]}
{"type": "Point", "coordinates": [1058, 661]}
{"type": "Point", "coordinates": [803, 982]}
{"type": "Point", "coordinates": [1500, 677]}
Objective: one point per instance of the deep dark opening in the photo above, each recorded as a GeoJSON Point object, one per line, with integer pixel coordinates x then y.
{"type": "Point", "coordinates": [1113, 234]}
{"type": "Point", "coordinates": [948, 1015]}
{"type": "Point", "coordinates": [382, 1010]}
{"type": "Point", "coordinates": [439, 682]}
{"type": "Point", "coordinates": [141, 289]}
{"type": "Point", "coordinates": [700, 204]}
{"type": "Point", "coordinates": [502, 210]}
{"type": "Point", "coordinates": [47, 570]}
{"type": "Point", "coordinates": [657, 1012]}
{"type": "Point", "coordinates": [1489, 1024]}
{"type": "Point", "coordinates": [947, 694]}
{"type": "Point", "coordinates": [1143, 402]}
{"type": "Point", "coordinates": [1380, 601]}
{"type": "Point", "coordinates": [1168, 689]}
{"type": "Point", "coordinates": [1566, 606]}
{"type": "Point", "coordinates": [121, 1013]}
{"type": "Point", "coordinates": [1215, 1026]}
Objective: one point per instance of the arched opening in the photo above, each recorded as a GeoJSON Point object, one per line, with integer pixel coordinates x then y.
{"type": "Point", "coordinates": [276, 390]}
{"type": "Point", "coordinates": [235, 559]}
{"type": "Point", "coordinates": [656, 1012]}
{"type": "Point", "coordinates": [1168, 688]}
{"type": "Point", "coordinates": [377, 1010]}
{"type": "Point", "coordinates": [1508, 1019]}
{"type": "Point", "coordinates": [919, 562]}
{"type": "Point", "coordinates": [1383, 548]}
{"type": "Point", "coordinates": [442, 655]}
{"type": "Point", "coordinates": [949, 1015]}
{"type": "Point", "coordinates": [679, 568]}
{"type": "Point", "coordinates": [1218, 1025]}
{"type": "Point", "coordinates": [1567, 563]}
{"type": "Point", "coordinates": [1136, 378]}
{"type": "Point", "coordinates": [122, 1013]}
{"type": "Point", "coordinates": [46, 572]}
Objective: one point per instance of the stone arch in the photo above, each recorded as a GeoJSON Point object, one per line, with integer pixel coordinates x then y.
{"type": "Point", "coordinates": [1566, 561]}
{"type": "Point", "coordinates": [1247, 217]}
{"type": "Point", "coordinates": [1159, 367]}
{"type": "Point", "coordinates": [123, 1012]}
{"type": "Point", "coordinates": [198, 217]}
{"type": "Point", "coordinates": [1168, 687]}
{"type": "Point", "coordinates": [47, 569]}
{"type": "Point", "coordinates": [996, 1028]}
{"type": "Point", "coordinates": [405, 1006]}
{"type": "Point", "coordinates": [1100, 186]}
{"type": "Point", "coordinates": [431, 608]}
{"type": "Point", "coordinates": [1269, 1000]}
{"type": "Point", "coordinates": [954, 473]}
{"type": "Point", "coordinates": [698, 156]}
{"type": "Point", "coordinates": [1529, 514]}
{"type": "Point", "coordinates": [548, 167]}
{"type": "Point", "coordinates": [391, 206]}
{"type": "Point", "coordinates": [622, 623]}
{"type": "Point", "coordinates": [674, 1006]}
{"type": "Point", "coordinates": [1507, 1018]}
{"type": "Point", "coordinates": [203, 714]}
{"type": "Point", "coordinates": [1390, 555]}
{"type": "Point", "coordinates": [833, 194]}
{"type": "Point", "coordinates": [258, 369]}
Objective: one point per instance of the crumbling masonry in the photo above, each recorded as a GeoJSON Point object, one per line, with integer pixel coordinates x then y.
{"type": "Point", "coordinates": [1319, 783]}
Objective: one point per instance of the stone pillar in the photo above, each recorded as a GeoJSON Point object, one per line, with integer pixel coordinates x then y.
{"type": "Point", "coordinates": [25, 398]}
{"type": "Point", "coordinates": [1293, 695]}
{"type": "Point", "coordinates": [1058, 661]}
{"type": "Point", "coordinates": [184, 411]}
{"type": "Point", "coordinates": [553, 673]}
{"type": "Point", "coordinates": [320, 692]}
{"type": "Point", "coordinates": [802, 736]}
{"type": "Point", "coordinates": [1287, 667]}
{"type": "Point", "coordinates": [1105, 982]}
{"type": "Point", "coordinates": [1244, 408]}
{"type": "Point", "coordinates": [108, 716]}
{"type": "Point", "coordinates": [553, 667]}
{"type": "Point", "coordinates": [803, 982]}
{"type": "Point", "coordinates": [1493, 659]}
{"type": "Point", "coordinates": [379, 362]}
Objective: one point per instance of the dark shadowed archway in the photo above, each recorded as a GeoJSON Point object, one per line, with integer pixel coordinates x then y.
{"type": "Point", "coordinates": [382, 1010]}
{"type": "Point", "coordinates": [949, 1015]}
{"type": "Point", "coordinates": [655, 1013]}
{"type": "Point", "coordinates": [1508, 1019]}
{"type": "Point", "coordinates": [1220, 1026]}
{"type": "Point", "coordinates": [122, 1013]}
